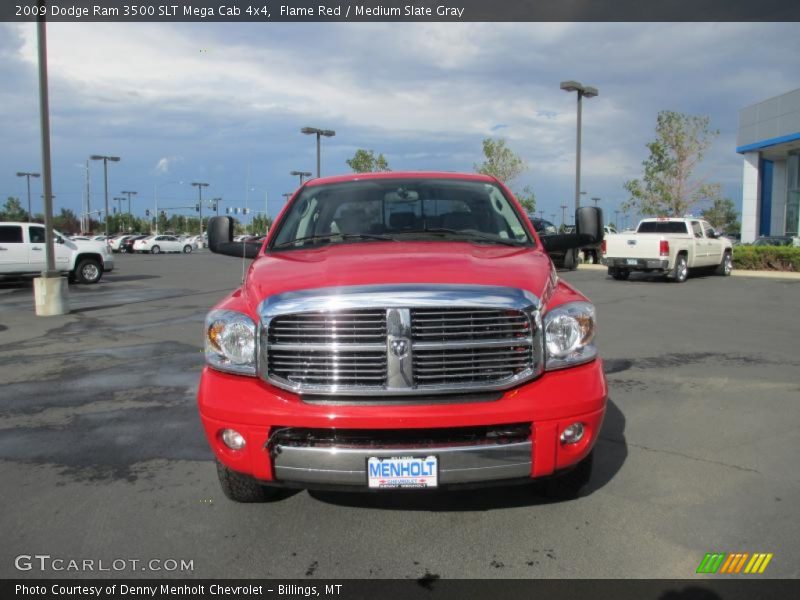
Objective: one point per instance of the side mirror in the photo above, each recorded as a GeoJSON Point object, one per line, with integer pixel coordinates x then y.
{"type": "Point", "coordinates": [59, 239]}
{"type": "Point", "coordinates": [589, 231]}
{"type": "Point", "coordinates": [220, 239]}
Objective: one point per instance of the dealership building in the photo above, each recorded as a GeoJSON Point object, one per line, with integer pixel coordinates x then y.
{"type": "Point", "coordinates": [769, 140]}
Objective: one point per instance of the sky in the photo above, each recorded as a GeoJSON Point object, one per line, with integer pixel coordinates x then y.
{"type": "Point", "coordinates": [224, 103]}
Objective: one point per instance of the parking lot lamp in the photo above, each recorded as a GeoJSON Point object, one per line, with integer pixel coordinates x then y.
{"type": "Point", "coordinates": [301, 174]}
{"type": "Point", "coordinates": [105, 160]}
{"type": "Point", "coordinates": [319, 133]}
{"type": "Point", "coordinates": [28, 176]}
{"type": "Point", "coordinates": [588, 92]}
{"type": "Point", "coordinates": [200, 186]}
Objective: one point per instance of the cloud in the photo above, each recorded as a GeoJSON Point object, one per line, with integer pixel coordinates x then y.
{"type": "Point", "coordinates": [163, 165]}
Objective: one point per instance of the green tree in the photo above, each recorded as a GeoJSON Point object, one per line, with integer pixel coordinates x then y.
{"type": "Point", "coordinates": [365, 161]}
{"type": "Point", "coordinates": [66, 222]}
{"type": "Point", "coordinates": [261, 224]}
{"type": "Point", "coordinates": [666, 187]}
{"type": "Point", "coordinates": [13, 211]}
{"type": "Point", "coordinates": [722, 215]}
{"type": "Point", "coordinates": [527, 199]}
{"type": "Point", "coordinates": [500, 161]}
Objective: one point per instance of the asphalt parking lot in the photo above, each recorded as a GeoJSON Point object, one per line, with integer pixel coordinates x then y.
{"type": "Point", "coordinates": [102, 454]}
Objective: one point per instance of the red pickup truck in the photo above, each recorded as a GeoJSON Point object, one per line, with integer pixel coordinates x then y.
{"type": "Point", "coordinates": [402, 330]}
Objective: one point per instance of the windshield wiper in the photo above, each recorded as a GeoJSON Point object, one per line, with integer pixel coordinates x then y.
{"type": "Point", "coordinates": [331, 236]}
{"type": "Point", "coordinates": [470, 233]}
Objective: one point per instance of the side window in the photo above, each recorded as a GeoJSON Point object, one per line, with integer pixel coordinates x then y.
{"type": "Point", "coordinates": [37, 235]}
{"type": "Point", "coordinates": [710, 233]}
{"type": "Point", "coordinates": [697, 229]}
{"type": "Point", "coordinates": [10, 234]}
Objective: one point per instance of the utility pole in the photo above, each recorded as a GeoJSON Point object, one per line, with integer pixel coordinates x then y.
{"type": "Point", "coordinates": [541, 214]}
{"type": "Point", "coordinates": [119, 200]}
{"type": "Point", "coordinates": [105, 160]}
{"type": "Point", "coordinates": [200, 186]}
{"type": "Point", "coordinates": [596, 201]}
{"type": "Point", "coordinates": [563, 214]}
{"type": "Point", "coordinates": [301, 174]}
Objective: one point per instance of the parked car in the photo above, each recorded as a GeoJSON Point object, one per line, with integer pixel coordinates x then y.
{"type": "Point", "coordinates": [778, 240]}
{"type": "Point", "coordinates": [126, 245]}
{"type": "Point", "coordinates": [401, 330]}
{"type": "Point", "coordinates": [670, 246]}
{"type": "Point", "coordinates": [562, 259]}
{"type": "Point", "coordinates": [156, 244]}
{"type": "Point", "coordinates": [22, 252]}
{"type": "Point", "coordinates": [115, 243]}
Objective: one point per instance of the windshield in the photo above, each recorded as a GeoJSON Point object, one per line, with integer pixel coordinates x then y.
{"type": "Point", "coordinates": [400, 209]}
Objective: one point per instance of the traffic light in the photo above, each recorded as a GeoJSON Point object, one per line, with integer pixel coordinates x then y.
{"type": "Point", "coordinates": [245, 211]}
{"type": "Point", "coordinates": [164, 214]}
{"type": "Point", "coordinates": [196, 208]}
{"type": "Point", "coordinates": [115, 210]}
{"type": "Point", "coordinates": [147, 212]}
{"type": "Point", "coordinates": [227, 210]}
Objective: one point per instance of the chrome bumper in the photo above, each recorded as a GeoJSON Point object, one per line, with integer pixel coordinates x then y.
{"type": "Point", "coordinates": [348, 466]}
{"type": "Point", "coordinates": [641, 263]}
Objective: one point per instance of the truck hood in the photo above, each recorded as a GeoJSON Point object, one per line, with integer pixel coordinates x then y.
{"type": "Point", "coordinates": [383, 263]}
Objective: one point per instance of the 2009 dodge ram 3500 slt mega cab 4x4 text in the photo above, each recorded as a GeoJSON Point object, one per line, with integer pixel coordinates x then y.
{"type": "Point", "coordinates": [669, 246]}
{"type": "Point", "coordinates": [402, 330]}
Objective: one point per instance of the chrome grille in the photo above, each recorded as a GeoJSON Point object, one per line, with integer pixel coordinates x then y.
{"type": "Point", "coordinates": [384, 341]}
{"type": "Point", "coordinates": [470, 365]}
{"type": "Point", "coordinates": [446, 324]}
{"type": "Point", "coordinates": [364, 326]}
{"type": "Point", "coordinates": [321, 367]}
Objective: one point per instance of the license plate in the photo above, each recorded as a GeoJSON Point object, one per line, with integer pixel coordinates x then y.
{"type": "Point", "coordinates": [403, 472]}
{"type": "Point", "coordinates": [632, 261]}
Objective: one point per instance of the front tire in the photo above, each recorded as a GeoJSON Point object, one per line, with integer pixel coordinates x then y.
{"type": "Point", "coordinates": [242, 488]}
{"type": "Point", "coordinates": [571, 260]}
{"type": "Point", "coordinates": [187, 249]}
{"type": "Point", "coordinates": [155, 250]}
{"type": "Point", "coordinates": [725, 268]}
{"type": "Point", "coordinates": [88, 271]}
{"type": "Point", "coordinates": [569, 485]}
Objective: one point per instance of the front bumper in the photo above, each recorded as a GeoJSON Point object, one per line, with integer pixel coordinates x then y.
{"type": "Point", "coordinates": [548, 404]}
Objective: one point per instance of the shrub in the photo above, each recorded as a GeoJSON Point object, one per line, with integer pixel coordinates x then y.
{"type": "Point", "coordinates": [766, 258]}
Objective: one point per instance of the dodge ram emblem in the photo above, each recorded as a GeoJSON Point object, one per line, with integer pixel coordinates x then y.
{"type": "Point", "coordinates": [399, 347]}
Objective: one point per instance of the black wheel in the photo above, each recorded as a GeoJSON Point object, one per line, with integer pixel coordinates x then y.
{"type": "Point", "coordinates": [725, 267]}
{"type": "Point", "coordinates": [155, 250]}
{"type": "Point", "coordinates": [88, 270]}
{"type": "Point", "coordinates": [122, 250]}
{"type": "Point", "coordinates": [681, 270]}
{"type": "Point", "coordinates": [619, 274]}
{"type": "Point", "coordinates": [242, 488]}
{"type": "Point", "coordinates": [569, 485]}
{"type": "Point", "coordinates": [187, 249]}
{"type": "Point", "coordinates": [571, 260]}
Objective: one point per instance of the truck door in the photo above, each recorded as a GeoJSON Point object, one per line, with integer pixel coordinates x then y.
{"type": "Point", "coordinates": [713, 244]}
{"type": "Point", "coordinates": [13, 251]}
{"type": "Point", "coordinates": [700, 247]}
{"type": "Point", "coordinates": [37, 255]}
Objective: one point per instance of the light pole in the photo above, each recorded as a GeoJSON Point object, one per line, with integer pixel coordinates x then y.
{"type": "Point", "coordinates": [563, 215]}
{"type": "Point", "coordinates": [286, 195]}
{"type": "Point", "coordinates": [596, 200]}
{"type": "Point", "coordinates": [616, 220]}
{"type": "Point", "coordinates": [157, 187]}
{"type": "Point", "coordinates": [200, 187]}
{"type": "Point", "coordinates": [129, 194]}
{"type": "Point", "coordinates": [541, 214]}
{"type": "Point", "coordinates": [301, 175]}
{"type": "Point", "coordinates": [588, 92]}
{"type": "Point", "coordinates": [216, 202]}
{"type": "Point", "coordinates": [105, 160]}
{"type": "Point", "coordinates": [119, 200]}
{"type": "Point", "coordinates": [29, 175]}
{"type": "Point", "coordinates": [319, 133]}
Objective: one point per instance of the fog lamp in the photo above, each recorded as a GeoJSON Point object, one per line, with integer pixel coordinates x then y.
{"type": "Point", "coordinates": [572, 434]}
{"type": "Point", "coordinates": [233, 439]}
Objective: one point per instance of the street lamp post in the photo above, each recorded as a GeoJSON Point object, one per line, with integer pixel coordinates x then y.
{"type": "Point", "coordinates": [588, 92]}
{"type": "Point", "coordinates": [129, 194]}
{"type": "Point", "coordinates": [105, 160]}
{"type": "Point", "coordinates": [119, 200]}
{"type": "Point", "coordinates": [29, 175]}
{"type": "Point", "coordinates": [596, 200]}
{"type": "Point", "coordinates": [301, 175]}
{"type": "Point", "coordinates": [200, 186]}
{"type": "Point", "coordinates": [563, 215]}
{"type": "Point", "coordinates": [216, 202]}
{"type": "Point", "coordinates": [286, 195]}
{"type": "Point", "coordinates": [319, 133]}
{"type": "Point", "coordinates": [541, 214]}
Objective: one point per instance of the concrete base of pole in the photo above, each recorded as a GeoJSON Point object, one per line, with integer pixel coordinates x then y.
{"type": "Point", "coordinates": [51, 296]}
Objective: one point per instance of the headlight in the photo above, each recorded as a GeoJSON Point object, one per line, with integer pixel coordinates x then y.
{"type": "Point", "coordinates": [569, 331]}
{"type": "Point", "coordinates": [231, 342]}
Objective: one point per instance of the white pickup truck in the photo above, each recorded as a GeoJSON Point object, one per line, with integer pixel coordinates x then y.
{"type": "Point", "coordinates": [22, 252]}
{"type": "Point", "coordinates": [667, 245]}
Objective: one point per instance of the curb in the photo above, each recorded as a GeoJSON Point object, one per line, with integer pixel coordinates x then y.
{"type": "Point", "coordinates": [785, 275]}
